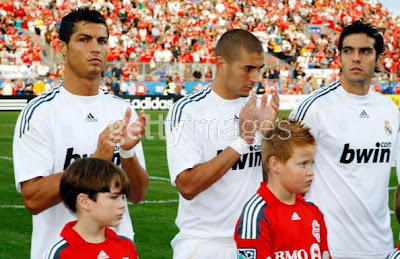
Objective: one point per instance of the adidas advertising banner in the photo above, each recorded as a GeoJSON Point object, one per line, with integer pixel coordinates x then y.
{"type": "Point", "coordinates": [158, 102]}
{"type": "Point", "coordinates": [146, 102]}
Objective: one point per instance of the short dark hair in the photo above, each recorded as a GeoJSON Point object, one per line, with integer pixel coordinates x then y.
{"type": "Point", "coordinates": [80, 14]}
{"type": "Point", "coordinates": [231, 43]}
{"type": "Point", "coordinates": [91, 176]}
{"type": "Point", "coordinates": [366, 28]}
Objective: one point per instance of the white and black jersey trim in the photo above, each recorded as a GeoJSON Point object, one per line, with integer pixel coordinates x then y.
{"type": "Point", "coordinates": [177, 109]}
{"type": "Point", "coordinates": [114, 96]}
{"type": "Point", "coordinates": [252, 215]}
{"type": "Point", "coordinates": [306, 104]}
{"type": "Point", "coordinates": [56, 249]}
{"type": "Point", "coordinates": [32, 105]}
{"type": "Point", "coordinates": [395, 254]}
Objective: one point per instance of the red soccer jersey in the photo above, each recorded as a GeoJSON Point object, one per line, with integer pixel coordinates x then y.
{"type": "Point", "coordinates": [73, 246]}
{"type": "Point", "coordinates": [268, 228]}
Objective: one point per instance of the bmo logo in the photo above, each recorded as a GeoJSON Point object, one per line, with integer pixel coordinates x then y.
{"type": "Point", "coordinates": [141, 89]}
{"type": "Point", "coordinates": [315, 253]}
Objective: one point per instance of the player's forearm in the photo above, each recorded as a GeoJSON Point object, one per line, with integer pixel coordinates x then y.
{"type": "Point", "coordinates": [41, 193]}
{"type": "Point", "coordinates": [193, 181]}
{"type": "Point", "coordinates": [138, 178]}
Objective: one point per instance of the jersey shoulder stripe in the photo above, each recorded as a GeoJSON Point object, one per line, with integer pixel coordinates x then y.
{"type": "Point", "coordinates": [108, 94]}
{"type": "Point", "coordinates": [177, 109]}
{"type": "Point", "coordinates": [55, 251]}
{"type": "Point", "coordinates": [395, 254]}
{"type": "Point", "coordinates": [306, 104]}
{"type": "Point", "coordinates": [35, 103]}
{"type": "Point", "coordinates": [120, 99]}
{"type": "Point", "coordinates": [252, 215]}
{"type": "Point", "coordinates": [313, 204]}
{"type": "Point", "coordinates": [128, 239]}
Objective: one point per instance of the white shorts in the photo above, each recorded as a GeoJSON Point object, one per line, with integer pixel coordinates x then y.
{"type": "Point", "coordinates": [197, 248]}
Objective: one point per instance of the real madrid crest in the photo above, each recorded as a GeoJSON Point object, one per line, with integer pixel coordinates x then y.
{"type": "Point", "coordinates": [388, 128]}
{"type": "Point", "coordinates": [316, 230]}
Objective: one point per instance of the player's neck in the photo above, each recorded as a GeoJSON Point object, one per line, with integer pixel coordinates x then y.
{"type": "Point", "coordinates": [218, 86]}
{"type": "Point", "coordinates": [81, 86]}
{"type": "Point", "coordinates": [357, 89]}
{"type": "Point", "coordinates": [90, 231]}
{"type": "Point", "coordinates": [281, 193]}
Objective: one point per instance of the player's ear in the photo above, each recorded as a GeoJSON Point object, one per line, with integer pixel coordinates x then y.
{"type": "Point", "coordinates": [62, 48]}
{"type": "Point", "coordinates": [274, 165]}
{"type": "Point", "coordinates": [83, 201]}
{"type": "Point", "coordinates": [221, 64]}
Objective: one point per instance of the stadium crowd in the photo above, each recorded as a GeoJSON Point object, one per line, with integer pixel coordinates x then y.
{"type": "Point", "coordinates": [301, 33]}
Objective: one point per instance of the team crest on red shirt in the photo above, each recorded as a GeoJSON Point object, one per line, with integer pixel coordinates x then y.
{"type": "Point", "coordinates": [316, 230]}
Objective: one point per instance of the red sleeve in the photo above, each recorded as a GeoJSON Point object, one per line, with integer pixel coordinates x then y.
{"type": "Point", "coordinates": [253, 245]}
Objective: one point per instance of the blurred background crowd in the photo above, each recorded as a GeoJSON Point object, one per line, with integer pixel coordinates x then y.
{"type": "Point", "coordinates": [172, 42]}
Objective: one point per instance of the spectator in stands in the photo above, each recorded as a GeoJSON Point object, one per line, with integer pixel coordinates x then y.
{"type": "Point", "coordinates": [208, 75]}
{"type": "Point", "coordinates": [109, 84]}
{"type": "Point", "coordinates": [162, 73]}
{"type": "Point", "coordinates": [19, 86]}
{"type": "Point", "coordinates": [285, 35]}
{"type": "Point", "coordinates": [38, 87]}
{"type": "Point", "coordinates": [116, 88]}
{"type": "Point", "coordinates": [117, 71]}
{"type": "Point", "coordinates": [197, 75]}
{"type": "Point", "coordinates": [29, 86]}
{"type": "Point", "coordinates": [108, 72]}
{"type": "Point", "coordinates": [123, 84]}
{"type": "Point", "coordinates": [7, 87]}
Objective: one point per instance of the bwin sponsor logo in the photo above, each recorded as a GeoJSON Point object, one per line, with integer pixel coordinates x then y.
{"type": "Point", "coordinates": [251, 159]}
{"type": "Point", "coordinates": [71, 157]}
{"type": "Point", "coordinates": [380, 154]}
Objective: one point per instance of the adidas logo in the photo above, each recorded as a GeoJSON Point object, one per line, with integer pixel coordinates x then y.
{"type": "Point", "coordinates": [363, 114]}
{"type": "Point", "coordinates": [90, 118]}
{"type": "Point", "coordinates": [102, 255]}
{"type": "Point", "coordinates": [295, 216]}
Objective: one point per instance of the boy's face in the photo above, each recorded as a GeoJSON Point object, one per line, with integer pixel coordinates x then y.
{"type": "Point", "coordinates": [108, 208]}
{"type": "Point", "coordinates": [297, 173]}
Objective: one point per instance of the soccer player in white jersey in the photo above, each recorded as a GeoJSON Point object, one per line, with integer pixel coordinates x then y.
{"type": "Point", "coordinates": [214, 157]}
{"type": "Point", "coordinates": [356, 130]}
{"type": "Point", "coordinates": [75, 119]}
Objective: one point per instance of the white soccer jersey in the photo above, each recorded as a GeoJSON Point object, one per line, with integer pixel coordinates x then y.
{"type": "Point", "coordinates": [52, 131]}
{"type": "Point", "coordinates": [356, 138]}
{"type": "Point", "coordinates": [199, 127]}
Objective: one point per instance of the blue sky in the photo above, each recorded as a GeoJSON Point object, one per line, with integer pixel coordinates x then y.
{"type": "Point", "coordinates": [391, 5]}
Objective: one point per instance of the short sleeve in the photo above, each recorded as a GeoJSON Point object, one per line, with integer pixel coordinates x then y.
{"type": "Point", "coordinates": [253, 245]}
{"type": "Point", "coordinates": [183, 148]}
{"type": "Point", "coordinates": [33, 150]}
{"type": "Point", "coordinates": [307, 114]}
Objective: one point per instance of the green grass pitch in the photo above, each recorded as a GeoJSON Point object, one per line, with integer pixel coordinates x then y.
{"type": "Point", "coordinates": [153, 219]}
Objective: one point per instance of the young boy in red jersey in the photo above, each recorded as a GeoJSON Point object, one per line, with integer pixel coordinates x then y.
{"type": "Point", "coordinates": [95, 190]}
{"type": "Point", "coordinates": [395, 254]}
{"type": "Point", "coordinates": [277, 222]}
